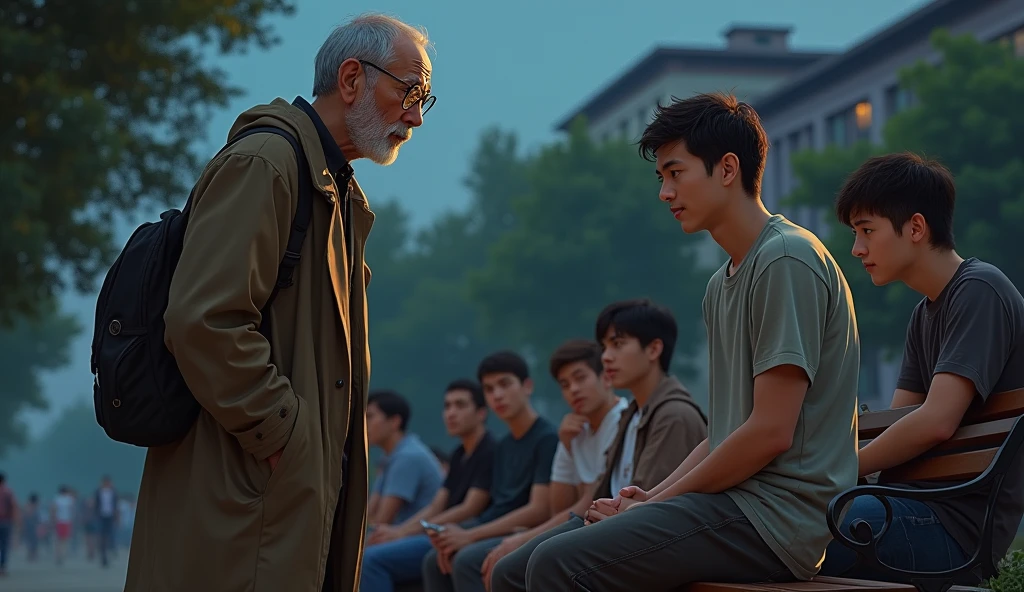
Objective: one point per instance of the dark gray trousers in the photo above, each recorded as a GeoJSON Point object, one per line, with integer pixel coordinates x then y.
{"type": "Point", "coordinates": [655, 547]}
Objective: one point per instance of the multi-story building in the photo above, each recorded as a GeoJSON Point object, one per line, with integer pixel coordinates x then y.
{"type": "Point", "coordinates": [848, 97]}
{"type": "Point", "coordinates": [754, 61]}
{"type": "Point", "coordinates": [806, 100]}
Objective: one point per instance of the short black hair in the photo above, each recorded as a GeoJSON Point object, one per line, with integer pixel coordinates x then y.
{"type": "Point", "coordinates": [897, 186]}
{"type": "Point", "coordinates": [576, 350]}
{"type": "Point", "coordinates": [643, 319]}
{"type": "Point", "coordinates": [475, 391]}
{"type": "Point", "coordinates": [711, 125]}
{"type": "Point", "coordinates": [391, 404]}
{"type": "Point", "coordinates": [501, 362]}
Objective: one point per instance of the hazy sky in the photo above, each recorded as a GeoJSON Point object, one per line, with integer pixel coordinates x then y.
{"type": "Point", "coordinates": [521, 65]}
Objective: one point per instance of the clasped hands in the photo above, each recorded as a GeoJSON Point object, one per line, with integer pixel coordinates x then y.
{"type": "Point", "coordinates": [629, 497]}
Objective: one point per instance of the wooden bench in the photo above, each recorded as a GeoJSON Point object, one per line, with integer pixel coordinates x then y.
{"type": "Point", "coordinates": [981, 451]}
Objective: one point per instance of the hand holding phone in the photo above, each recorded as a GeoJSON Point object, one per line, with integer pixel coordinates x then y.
{"type": "Point", "coordinates": [428, 526]}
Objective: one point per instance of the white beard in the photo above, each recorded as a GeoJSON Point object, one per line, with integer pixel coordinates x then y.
{"type": "Point", "coordinates": [370, 134]}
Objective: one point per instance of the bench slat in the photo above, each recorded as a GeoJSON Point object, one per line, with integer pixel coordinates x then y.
{"type": "Point", "coordinates": [1000, 406]}
{"type": "Point", "coordinates": [951, 467]}
{"type": "Point", "coordinates": [989, 435]}
{"type": "Point", "coordinates": [818, 584]}
{"type": "Point", "coordinates": [982, 435]}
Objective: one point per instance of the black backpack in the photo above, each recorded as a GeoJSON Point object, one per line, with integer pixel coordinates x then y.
{"type": "Point", "coordinates": [138, 391]}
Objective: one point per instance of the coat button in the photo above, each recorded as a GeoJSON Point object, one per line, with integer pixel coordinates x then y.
{"type": "Point", "coordinates": [259, 435]}
{"type": "Point", "coordinates": [283, 412]}
{"type": "Point", "coordinates": [340, 383]}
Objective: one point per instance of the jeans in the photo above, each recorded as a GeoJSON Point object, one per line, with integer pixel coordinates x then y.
{"type": "Point", "coordinates": [395, 562]}
{"type": "Point", "coordinates": [5, 541]}
{"type": "Point", "coordinates": [466, 565]}
{"type": "Point", "coordinates": [916, 540]}
{"type": "Point", "coordinates": [106, 542]}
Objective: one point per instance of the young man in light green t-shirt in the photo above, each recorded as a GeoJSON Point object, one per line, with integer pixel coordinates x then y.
{"type": "Point", "coordinates": [748, 504]}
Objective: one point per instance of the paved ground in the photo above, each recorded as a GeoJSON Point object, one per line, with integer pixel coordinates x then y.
{"type": "Point", "coordinates": [76, 575]}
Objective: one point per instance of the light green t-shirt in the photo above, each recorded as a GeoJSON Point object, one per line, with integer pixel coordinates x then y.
{"type": "Point", "coordinates": [788, 303]}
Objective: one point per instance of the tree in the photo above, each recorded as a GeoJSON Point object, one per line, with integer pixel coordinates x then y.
{"type": "Point", "coordinates": [967, 117]}
{"type": "Point", "coordinates": [961, 117]}
{"type": "Point", "coordinates": [424, 331]}
{"type": "Point", "coordinates": [103, 101]}
{"type": "Point", "coordinates": [588, 230]}
{"type": "Point", "coordinates": [26, 350]}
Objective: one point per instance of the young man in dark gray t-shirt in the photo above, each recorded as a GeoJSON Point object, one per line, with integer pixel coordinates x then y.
{"type": "Point", "coordinates": [965, 342]}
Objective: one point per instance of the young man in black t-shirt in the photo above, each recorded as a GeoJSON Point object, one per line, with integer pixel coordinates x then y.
{"type": "Point", "coordinates": [519, 486]}
{"type": "Point", "coordinates": [964, 343]}
{"type": "Point", "coordinates": [395, 553]}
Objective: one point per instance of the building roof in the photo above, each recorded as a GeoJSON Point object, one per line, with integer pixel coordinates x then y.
{"type": "Point", "coordinates": [910, 30]}
{"type": "Point", "coordinates": [664, 59]}
{"type": "Point", "coordinates": [740, 28]}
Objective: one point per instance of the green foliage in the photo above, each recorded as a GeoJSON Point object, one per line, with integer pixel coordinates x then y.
{"type": "Point", "coordinates": [961, 117]}
{"type": "Point", "coordinates": [882, 313]}
{"type": "Point", "coordinates": [588, 230]}
{"type": "Point", "coordinates": [547, 240]}
{"type": "Point", "coordinates": [1011, 574]}
{"type": "Point", "coordinates": [101, 103]}
{"type": "Point", "coordinates": [423, 327]}
{"type": "Point", "coordinates": [27, 349]}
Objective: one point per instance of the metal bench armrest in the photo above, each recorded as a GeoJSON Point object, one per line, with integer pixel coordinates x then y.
{"type": "Point", "coordinates": [865, 542]}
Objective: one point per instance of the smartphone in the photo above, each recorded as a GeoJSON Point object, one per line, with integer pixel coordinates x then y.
{"type": "Point", "coordinates": [431, 526]}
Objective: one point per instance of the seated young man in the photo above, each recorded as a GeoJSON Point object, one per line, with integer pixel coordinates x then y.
{"type": "Point", "coordinates": [409, 472]}
{"type": "Point", "coordinates": [589, 429]}
{"type": "Point", "coordinates": [519, 485]}
{"type": "Point", "coordinates": [656, 432]}
{"type": "Point", "coordinates": [965, 342]}
{"type": "Point", "coordinates": [748, 504]}
{"type": "Point", "coordinates": [394, 554]}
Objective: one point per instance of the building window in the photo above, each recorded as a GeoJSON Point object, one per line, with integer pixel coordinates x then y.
{"type": "Point", "coordinates": [897, 99]}
{"type": "Point", "coordinates": [836, 129]}
{"type": "Point", "coordinates": [849, 125]}
{"type": "Point", "coordinates": [862, 115]}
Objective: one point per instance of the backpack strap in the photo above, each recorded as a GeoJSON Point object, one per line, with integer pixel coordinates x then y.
{"type": "Point", "coordinates": [300, 223]}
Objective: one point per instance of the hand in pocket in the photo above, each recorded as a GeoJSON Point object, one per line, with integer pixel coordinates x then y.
{"type": "Point", "coordinates": [273, 459]}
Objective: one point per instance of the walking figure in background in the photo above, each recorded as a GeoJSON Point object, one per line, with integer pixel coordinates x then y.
{"type": "Point", "coordinates": [8, 513]}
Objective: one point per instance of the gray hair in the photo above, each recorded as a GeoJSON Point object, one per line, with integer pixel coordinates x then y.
{"type": "Point", "coordinates": [369, 37]}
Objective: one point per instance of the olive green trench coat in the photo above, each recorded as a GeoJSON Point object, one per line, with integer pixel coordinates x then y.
{"type": "Point", "coordinates": [212, 516]}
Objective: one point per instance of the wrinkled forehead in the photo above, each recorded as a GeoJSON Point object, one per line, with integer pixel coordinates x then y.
{"type": "Point", "coordinates": [411, 63]}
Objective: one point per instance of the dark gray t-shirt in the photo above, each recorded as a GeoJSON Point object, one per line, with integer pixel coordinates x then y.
{"type": "Point", "coordinates": [518, 466]}
{"type": "Point", "coordinates": [974, 329]}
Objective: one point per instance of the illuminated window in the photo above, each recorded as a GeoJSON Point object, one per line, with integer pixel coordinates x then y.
{"type": "Point", "coordinates": [862, 111]}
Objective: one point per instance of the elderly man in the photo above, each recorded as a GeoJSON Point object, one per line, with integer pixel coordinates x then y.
{"type": "Point", "coordinates": [268, 489]}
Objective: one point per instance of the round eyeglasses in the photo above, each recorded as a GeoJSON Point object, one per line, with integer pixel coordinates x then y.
{"type": "Point", "coordinates": [414, 93]}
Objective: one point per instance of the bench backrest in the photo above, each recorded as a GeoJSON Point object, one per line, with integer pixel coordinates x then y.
{"type": "Point", "coordinates": [964, 456]}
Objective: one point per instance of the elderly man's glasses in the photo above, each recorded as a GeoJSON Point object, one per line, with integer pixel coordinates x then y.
{"type": "Point", "coordinates": [413, 94]}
